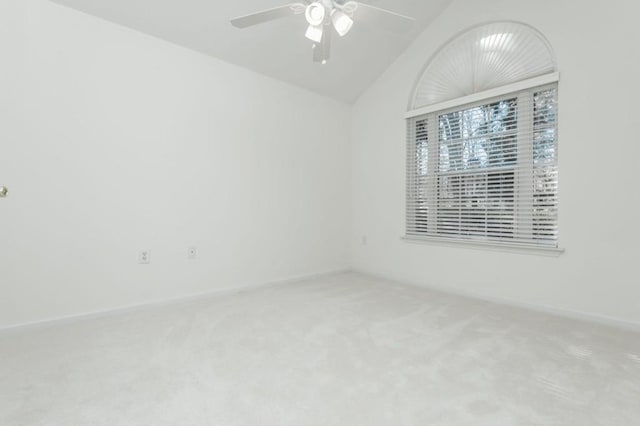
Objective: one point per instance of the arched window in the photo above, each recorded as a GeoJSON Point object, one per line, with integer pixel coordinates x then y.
{"type": "Point", "coordinates": [482, 141]}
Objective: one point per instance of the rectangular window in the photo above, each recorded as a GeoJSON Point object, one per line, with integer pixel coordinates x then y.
{"type": "Point", "coordinates": [486, 172]}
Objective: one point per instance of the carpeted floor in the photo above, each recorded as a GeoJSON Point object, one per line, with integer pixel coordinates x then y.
{"type": "Point", "coordinates": [340, 350]}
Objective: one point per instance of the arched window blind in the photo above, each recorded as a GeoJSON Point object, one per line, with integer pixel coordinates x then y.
{"type": "Point", "coordinates": [482, 134]}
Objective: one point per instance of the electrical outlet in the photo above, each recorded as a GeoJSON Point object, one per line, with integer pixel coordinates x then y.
{"type": "Point", "coordinates": [192, 253]}
{"type": "Point", "coordinates": [144, 257]}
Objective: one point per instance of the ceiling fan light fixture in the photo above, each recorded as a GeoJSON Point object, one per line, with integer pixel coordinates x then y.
{"type": "Point", "coordinates": [341, 22]}
{"type": "Point", "coordinates": [314, 33]}
{"type": "Point", "coordinates": [322, 14]}
{"type": "Point", "coordinates": [315, 14]}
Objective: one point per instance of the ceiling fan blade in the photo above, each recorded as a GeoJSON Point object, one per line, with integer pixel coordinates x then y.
{"type": "Point", "coordinates": [391, 21]}
{"type": "Point", "coordinates": [268, 15]}
{"type": "Point", "coordinates": [322, 51]}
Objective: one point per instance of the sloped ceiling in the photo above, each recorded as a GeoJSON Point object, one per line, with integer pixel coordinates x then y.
{"type": "Point", "coordinates": [277, 49]}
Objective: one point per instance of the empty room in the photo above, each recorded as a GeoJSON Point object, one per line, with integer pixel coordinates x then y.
{"type": "Point", "coordinates": [325, 212]}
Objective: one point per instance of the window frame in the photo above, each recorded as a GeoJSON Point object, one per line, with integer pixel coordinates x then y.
{"type": "Point", "coordinates": [432, 114]}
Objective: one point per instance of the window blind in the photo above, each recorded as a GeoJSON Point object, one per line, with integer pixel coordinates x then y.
{"type": "Point", "coordinates": [486, 171]}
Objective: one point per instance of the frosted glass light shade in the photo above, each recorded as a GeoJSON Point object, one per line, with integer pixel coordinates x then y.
{"type": "Point", "coordinates": [315, 14]}
{"type": "Point", "coordinates": [314, 33]}
{"type": "Point", "coordinates": [341, 22]}
{"type": "Point", "coordinates": [483, 58]}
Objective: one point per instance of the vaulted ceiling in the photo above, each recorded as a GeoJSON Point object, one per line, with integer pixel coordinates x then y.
{"type": "Point", "coordinates": [277, 49]}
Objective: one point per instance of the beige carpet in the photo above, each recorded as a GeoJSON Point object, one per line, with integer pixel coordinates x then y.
{"type": "Point", "coordinates": [340, 350]}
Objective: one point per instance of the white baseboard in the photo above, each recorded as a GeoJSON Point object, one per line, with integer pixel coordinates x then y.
{"type": "Point", "coordinates": [545, 309]}
{"type": "Point", "coordinates": [161, 302]}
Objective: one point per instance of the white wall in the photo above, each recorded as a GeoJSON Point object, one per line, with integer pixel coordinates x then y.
{"type": "Point", "coordinates": [112, 141]}
{"type": "Point", "coordinates": [597, 49]}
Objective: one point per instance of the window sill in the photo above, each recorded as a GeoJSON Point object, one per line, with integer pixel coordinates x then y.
{"type": "Point", "coordinates": [487, 245]}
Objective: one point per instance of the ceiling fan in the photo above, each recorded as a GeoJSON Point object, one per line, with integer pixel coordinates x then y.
{"type": "Point", "coordinates": [321, 15]}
